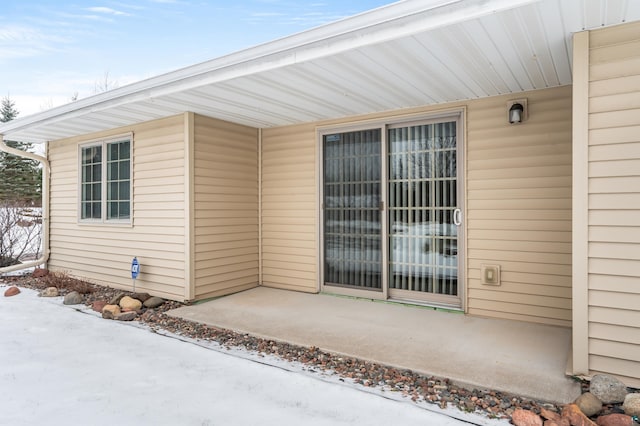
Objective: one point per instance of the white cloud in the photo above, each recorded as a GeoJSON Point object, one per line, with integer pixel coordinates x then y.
{"type": "Point", "coordinates": [266, 14]}
{"type": "Point", "coordinates": [19, 34]}
{"type": "Point", "coordinates": [20, 41]}
{"type": "Point", "coordinates": [129, 6]}
{"type": "Point", "coordinates": [77, 18]}
{"type": "Point", "coordinates": [107, 11]}
{"type": "Point", "coordinates": [300, 15]}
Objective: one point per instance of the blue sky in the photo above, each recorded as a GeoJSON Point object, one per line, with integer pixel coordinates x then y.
{"type": "Point", "coordinates": [50, 50]}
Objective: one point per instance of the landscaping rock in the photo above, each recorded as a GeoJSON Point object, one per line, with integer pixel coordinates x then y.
{"type": "Point", "coordinates": [112, 310]}
{"type": "Point", "coordinates": [614, 420]}
{"type": "Point", "coordinates": [549, 415]}
{"type": "Point", "coordinates": [98, 305]}
{"type": "Point", "coordinates": [589, 404]}
{"type": "Point", "coordinates": [11, 291]}
{"type": "Point", "coordinates": [130, 304]}
{"type": "Point", "coordinates": [147, 315]}
{"type": "Point", "coordinates": [575, 416]}
{"type": "Point", "coordinates": [107, 315]}
{"type": "Point", "coordinates": [560, 422]}
{"type": "Point", "coordinates": [40, 272]}
{"type": "Point", "coordinates": [126, 316]}
{"type": "Point", "coordinates": [141, 296]}
{"type": "Point", "coordinates": [522, 417]}
{"type": "Point", "coordinates": [437, 391]}
{"type": "Point", "coordinates": [116, 299]}
{"type": "Point", "coordinates": [153, 302]}
{"type": "Point", "coordinates": [608, 389]}
{"type": "Point", "coordinates": [73, 298]}
{"type": "Point", "coordinates": [631, 404]}
{"type": "Point", "coordinates": [50, 292]}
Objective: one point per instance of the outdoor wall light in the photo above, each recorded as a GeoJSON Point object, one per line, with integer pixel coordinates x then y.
{"type": "Point", "coordinates": [517, 111]}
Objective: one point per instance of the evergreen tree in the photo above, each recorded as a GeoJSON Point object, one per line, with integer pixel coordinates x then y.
{"type": "Point", "coordinates": [20, 178]}
{"type": "Point", "coordinates": [7, 110]}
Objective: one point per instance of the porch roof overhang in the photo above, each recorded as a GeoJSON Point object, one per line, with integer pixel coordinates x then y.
{"type": "Point", "coordinates": [410, 53]}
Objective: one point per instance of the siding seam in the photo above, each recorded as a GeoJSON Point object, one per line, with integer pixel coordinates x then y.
{"type": "Point", "coordinates": [580, 303]}
{"type": "Point", "coordinates": [189, 204]}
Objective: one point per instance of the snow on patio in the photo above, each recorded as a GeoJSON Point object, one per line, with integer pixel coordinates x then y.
{"type": "Point", "coordinates": [61, 366]}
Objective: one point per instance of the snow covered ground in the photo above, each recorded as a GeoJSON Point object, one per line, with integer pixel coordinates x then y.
{"type": "Point", "coordinates": [65, 365]}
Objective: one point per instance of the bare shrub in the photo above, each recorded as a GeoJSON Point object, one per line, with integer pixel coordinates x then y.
{"type": "Point", "coordinates": [20, 233]}
{"type": "Point", "coordinates": [63, 281]}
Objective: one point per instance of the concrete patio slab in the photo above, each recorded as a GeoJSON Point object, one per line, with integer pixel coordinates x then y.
{"type": "Point", "coordinates": [517, 357]}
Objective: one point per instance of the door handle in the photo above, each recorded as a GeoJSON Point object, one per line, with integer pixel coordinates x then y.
{"type": "Point", "coordinates": [457, 217]}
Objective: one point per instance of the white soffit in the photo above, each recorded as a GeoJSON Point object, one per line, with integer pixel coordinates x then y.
{"type": "Point", "coordinates": [410, 53]}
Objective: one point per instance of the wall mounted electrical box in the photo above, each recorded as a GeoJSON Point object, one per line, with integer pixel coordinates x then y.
{"type": "Point", "coordinates": [490, 274]}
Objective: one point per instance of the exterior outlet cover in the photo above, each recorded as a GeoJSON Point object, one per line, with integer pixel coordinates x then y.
{"type": "Point", "coordinates": [490, 274]}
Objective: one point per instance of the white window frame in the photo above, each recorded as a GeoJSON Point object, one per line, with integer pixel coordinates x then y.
{"type": "Point", "coordinates": [103, 143]}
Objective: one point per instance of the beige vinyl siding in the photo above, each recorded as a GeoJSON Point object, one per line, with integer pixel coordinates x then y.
{"type": "Point", "coordinates": [289, 209]}
{"type": "Point", "coordinates": [103, 253]}
{"type": "Point", "coordinates": [519, 208]}
{"type": "Point", "coordinates": [614, 202]}
{"type": "Point", "coordinates": [518, 205]}
{"type": "Point", "coordinates": [225, 207]}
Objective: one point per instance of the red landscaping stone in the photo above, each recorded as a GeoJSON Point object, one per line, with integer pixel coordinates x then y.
{"type": "Point", "coordinates": [11, 291]}
{"type": "Point", "coordinates": [522, 417]}
{"type": "Point", "coordinates": [40, 272]}
{"type": "Point", "coordinates": [559, 422]}
{"type": "Point", "coordinates": [98, 305]}
{"type": "Point", "coordinates": [615, 420]}
{"type": "Point", "coordinates": [549, 415]}
{"type": "Point", "coordinates": [575, 416]}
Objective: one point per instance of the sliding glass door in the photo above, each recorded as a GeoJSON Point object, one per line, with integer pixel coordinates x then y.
{"type": "Point", "coordinates": [352, 227]}
{"type": "Point", "coordinates": [423, 212]}
{"type": "Point", "coordinates": [391, 212]}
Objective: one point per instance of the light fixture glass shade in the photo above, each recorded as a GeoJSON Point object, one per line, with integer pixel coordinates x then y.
{"type": "Point", "coordinates": [515, 113]}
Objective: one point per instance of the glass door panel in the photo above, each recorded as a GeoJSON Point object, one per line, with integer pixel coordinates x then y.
{"type": "Point", "coordinates": [352, 217]}
{"type": "Point", "coordinates": [423, 235]}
